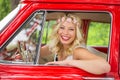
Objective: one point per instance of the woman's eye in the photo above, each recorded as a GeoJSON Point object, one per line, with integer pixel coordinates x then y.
{"type": "Point", "coordinates": [61, 27]}
{"type": "Point", "coordinates": [71, 29]}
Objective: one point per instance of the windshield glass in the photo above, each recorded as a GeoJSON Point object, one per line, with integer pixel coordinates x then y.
{"type": "Point", "coordinates": [9, 17]}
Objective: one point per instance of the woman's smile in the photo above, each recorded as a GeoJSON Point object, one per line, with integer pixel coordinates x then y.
{"type": "Point", "coordinates": [65, 38]}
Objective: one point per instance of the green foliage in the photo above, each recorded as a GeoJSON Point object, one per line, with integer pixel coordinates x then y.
{"type": "Point", "coordinates": [98, 34]}
{"type": "Point", "coordinates": [47, 31]}
{"type": "Point", "coordinates": [5, 8]}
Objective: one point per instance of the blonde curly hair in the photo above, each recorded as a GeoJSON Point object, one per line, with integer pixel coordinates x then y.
{"type": "Point", "coordinates": [54, 43]}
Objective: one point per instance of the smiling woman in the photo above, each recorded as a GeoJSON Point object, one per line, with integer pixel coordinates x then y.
{"type": "Point", "coordinates": [68, 46]}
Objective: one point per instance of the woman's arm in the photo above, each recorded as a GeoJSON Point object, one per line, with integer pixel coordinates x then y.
{"type": "Point", "coordinates": [91, 66]}
{"type": "Point", "coordinates": [87, 61]}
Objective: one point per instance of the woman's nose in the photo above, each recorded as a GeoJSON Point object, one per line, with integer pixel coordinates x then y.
{"type": "Point", "coordinates": [65, 31]}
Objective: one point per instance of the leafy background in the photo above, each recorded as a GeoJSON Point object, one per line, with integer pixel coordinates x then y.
{"type": "Point", "coordinates": [98, 34]}
{"type": "Point", "coordinates": [6, 6]}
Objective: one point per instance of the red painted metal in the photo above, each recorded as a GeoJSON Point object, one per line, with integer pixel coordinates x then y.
{"type": "Point", "coordinates": [77, 1]}
{"type": "Point", "coordinates": [20, 72]}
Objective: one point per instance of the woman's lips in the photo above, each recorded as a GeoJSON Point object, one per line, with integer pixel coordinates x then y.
{"type": "Point", "coordinates": [65, 38]}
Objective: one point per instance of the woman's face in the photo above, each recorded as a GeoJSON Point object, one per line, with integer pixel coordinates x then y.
{"type": "Point", "coordinates": [66, 33]}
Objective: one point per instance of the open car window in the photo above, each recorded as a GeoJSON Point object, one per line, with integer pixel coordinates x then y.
{"type": "Point", "coordinates": [96, 30]}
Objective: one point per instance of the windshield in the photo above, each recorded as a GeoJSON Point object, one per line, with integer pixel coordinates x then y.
{"type": "Point", "coordinates": [9, 17]}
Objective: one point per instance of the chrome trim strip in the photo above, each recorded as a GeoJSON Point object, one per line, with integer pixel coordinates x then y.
{"type": "Point", "coordinates": [97, 78]}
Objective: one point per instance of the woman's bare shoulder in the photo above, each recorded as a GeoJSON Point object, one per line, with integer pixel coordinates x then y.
{"type": "Point", "coordinates": [80, 50]}
{"type": "Point", "coordinates": [83, 53]}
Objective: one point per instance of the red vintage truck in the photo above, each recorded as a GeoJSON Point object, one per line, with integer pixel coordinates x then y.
{"type": "Point", "coordinates": [27, 27]}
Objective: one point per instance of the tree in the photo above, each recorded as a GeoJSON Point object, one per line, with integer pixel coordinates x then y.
{"type": "Point", "coordinates": [5, 8]}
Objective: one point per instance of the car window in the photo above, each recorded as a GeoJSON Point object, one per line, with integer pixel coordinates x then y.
{"type": "Point", "coordinates": [96, 32]}
{"type": "Point", "coordinates": [23, 48]}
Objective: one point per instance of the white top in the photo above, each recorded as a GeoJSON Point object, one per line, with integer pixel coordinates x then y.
{"type": "Point", "coordinates": [70, 57]}
{"type": "Point", "coordinates": [94, 51]}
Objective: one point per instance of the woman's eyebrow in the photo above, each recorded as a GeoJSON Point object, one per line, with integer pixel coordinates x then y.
{"type": "Point", "coordinates": [71, 27]}
{"type": "Point", "coordinates": [62, 25]}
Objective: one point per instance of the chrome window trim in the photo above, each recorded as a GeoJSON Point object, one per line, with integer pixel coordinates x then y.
{"type": "Point", "coordinates": [95, 78]}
